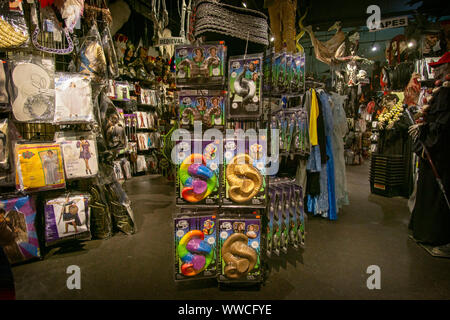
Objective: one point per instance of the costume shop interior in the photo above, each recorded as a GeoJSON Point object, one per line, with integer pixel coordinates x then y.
{"type": "Point", "coordinates": [263, 122]}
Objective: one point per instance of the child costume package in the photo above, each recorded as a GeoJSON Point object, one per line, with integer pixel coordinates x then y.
{"type": "Point", "coordinates": [200, 65]}
{"type": "Point", "coordinates": [195, 246]}
{"type": "Point", "coordinates": [245, 86]}
{"type": "Point", "coordinates": [239, 242]}
{"type": "Point", "coordinates": [244, 171]}
{"type": "Point", "coordinates": [17, 229]}
{"type": "Point", "coordinates": [198, 171]}
{"type": "Point", "coordinates": [67, 217]}
{"type": "Point", "coordinates": [39, 166]}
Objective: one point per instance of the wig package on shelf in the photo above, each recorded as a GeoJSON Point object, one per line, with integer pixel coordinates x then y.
{"type": "Point", "coordinates": [195, 245]}
{"type": "Point", "coordinates": [18, 235]}
{"type": "Point", "coordinates": [245, 86]}
{"type": "Point", "coordinates": [39, 166]}
{"type": "Point", "coordinates": [198, 171]}
{"type": "Point", "coordinates": [200, 65]}
{"type": "Point", "coordinates": [73, 99]}
{"type": "Point", "coordinates": [239, 242]}
{"type": "Point", "coordinates": [204, 106]}
{"type": "Point", "coordinates": [67, 217]}
{"type": "Point", "coordinates": [32, 86]}
{"type": "Point", "coordinates": [79, 151]}
{"type": "Point", "coordinates": [244, 178]}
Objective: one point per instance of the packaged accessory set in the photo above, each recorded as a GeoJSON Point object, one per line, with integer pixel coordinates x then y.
{"type": "Point", "coordinates": [239, 242]}
{"type": "Point", "coordinates": [195, 246]}
{"type": "Point", "coordinates": [245, 86]}
{"type": "Point", "coordinates": [200, 65]}
{"type": "Point", "coordinates": [206, 106]}
{"type": "Point", "coordinates": [198, 172]}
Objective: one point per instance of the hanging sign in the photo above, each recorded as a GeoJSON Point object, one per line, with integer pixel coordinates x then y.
{"type": "Point", "coordinates": [389, 23]}
{"type": "Point", "coordinates": [170, 41]}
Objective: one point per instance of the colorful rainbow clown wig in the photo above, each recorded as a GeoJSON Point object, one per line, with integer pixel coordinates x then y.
{"type": "Point", "coordinates": [197, 179]}
{"type": "Point", "coordinates": [195, 253]}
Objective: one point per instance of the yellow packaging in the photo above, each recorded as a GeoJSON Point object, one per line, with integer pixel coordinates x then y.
{"type": "Point", "coordinates": [39, 166]}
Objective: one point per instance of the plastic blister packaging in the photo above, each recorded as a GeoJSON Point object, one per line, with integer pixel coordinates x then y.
{"type": "Point", "coordinates": [245, 86]}
{"type": "Point", "coordinates": [67, 217]}
{"type": "Point", "coordinates": [13, 27]}
{"type": "Point", "coordinates": [73, 99]}
{"type": "Point", "coordinates": [33, 94]}
{"type": "Point", "coordinates": [17, 229]}
{"type": "Point", "coordinates": [195, 245]}
{"type": "Point", "coordinates": [80, 155]}
{"type": "Point", "coordinates": [39, 166]}
{"type": "Point", "coordinates": [239, 245]}
{"type": "Point", "coordinates": [8, 137]}
{"type": "Point", "coordinates": [198, 171]}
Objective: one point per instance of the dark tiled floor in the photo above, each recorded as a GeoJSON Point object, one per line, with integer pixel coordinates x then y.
{"type": "Point", "coordinates": [370, 231]}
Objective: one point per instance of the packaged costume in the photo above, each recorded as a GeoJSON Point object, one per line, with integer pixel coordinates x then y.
{"type": "Point", "coordinates": [79, 154]}
{"type": "Point", "coordinates": [17, 230]}
{"type": "Point", "coordinates": [39, 166]}
{"type": "Point", "coordinates": [67, 217]}
{"type": "Point", "coordinates": [73, 99]}
{"type": "Point", "coordinates": [33, 98]}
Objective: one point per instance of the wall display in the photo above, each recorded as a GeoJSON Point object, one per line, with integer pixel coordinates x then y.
{"type": "Point", "coordinates": [244, 86]}
{"type": "Point", "coordinates": [200, 65]}
{"type": "Point", "coordinates": [73, 99]}
{"type": "Point", "coordinates": [244, 172]}
{"type": "Point", "coordinates": [17, 229]}
{"type": "Point", "coordinates": [195, 247]}
{"type": "Point", "coordinates": [39, 166]}
{"type": "Point", "coordinates": [198, 172]}
{"type": "Point", "coordinates": [67, 217]}
{"type": "Point", "coordinates": [33, 84]}
{"type": "Point", "coordinates": [209, 108]}
{"type": "Point", "coordinates": [239, 249]}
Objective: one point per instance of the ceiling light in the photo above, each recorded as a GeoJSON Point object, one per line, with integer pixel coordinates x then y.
{"type": "Point", "coordinates": [244, 4]}
{"type": "Point", "coordinates": [374, 48]}
{"type": "Point", "coordinates": [272, 39]}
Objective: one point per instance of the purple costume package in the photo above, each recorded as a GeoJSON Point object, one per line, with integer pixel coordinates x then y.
{"type": "Point", "coordinates": [198, 171]}
{"type": "Point", "coordinates": [195, 246]}
{"type": "Point", "coordinates": [18, 235]}
{"type": "Point", "coordinates": [239, 241]}
{"type": "Point", "coordinates": [67, 217]}
{"type": "Point", "coordinates": [79, 151]}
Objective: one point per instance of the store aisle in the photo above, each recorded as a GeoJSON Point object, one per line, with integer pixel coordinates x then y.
{"type": "Point", "coordinates": [371, 231]}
